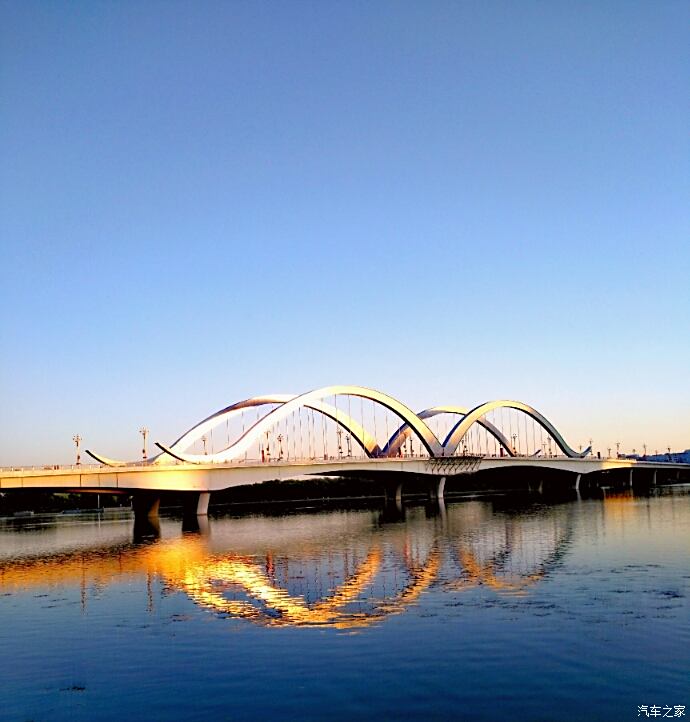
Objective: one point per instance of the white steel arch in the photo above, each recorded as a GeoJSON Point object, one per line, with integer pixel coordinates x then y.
{"type": "Point", "coordinates": [314, 399]}
{"type": "Point", "coordinates": [462, 427]}
{"type": "Point", "coordinates": [403, 433]}
{"type": "Point", "coordinates": [289, 403]}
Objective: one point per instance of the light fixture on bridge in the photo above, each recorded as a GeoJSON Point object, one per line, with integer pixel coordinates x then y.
{"type": "Point", "coordinates": [144, 432]}
{"type": "Point", "coordinates": [77, 442]}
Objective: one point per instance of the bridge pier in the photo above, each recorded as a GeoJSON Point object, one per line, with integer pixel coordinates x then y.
{"type": "Point", "coordinates": [576, 485]}
{"type": "Point", "coordinates": [145, 505]}
{"type": "Point", "coordinates": [394, 493]}
{"type": "Point", "coordinates": [437, 488]}
{"type": "Point", "coordinates": [196, 503]}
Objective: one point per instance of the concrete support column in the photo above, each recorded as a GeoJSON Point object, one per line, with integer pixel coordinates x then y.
{"type": "Point", "coordinates": [394, 493]}
{"type": "Point", "coordinates": [437, 488]}
{"type": "Point", "coordinates": [202, 503]}
{"type": "Point", "coordinates": [145, 504]}
{"type": "Point", "coordinates": [576, 486]}
{"type": "Point", "coordinates": [196, 503]}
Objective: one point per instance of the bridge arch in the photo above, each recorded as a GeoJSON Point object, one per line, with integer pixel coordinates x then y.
{"type": "Point", "coordinates": [178, 447]}
{"type": "Point", "coordinates": [358, 432]}
{"type": "Point", "coordinates": [198, 430]}
{"type": "Point", "coordinates": [311, 399]}
{"type": "Point", "coordinates": [396, 441]}
{"type": "Point", "coordinates": [456, 434]}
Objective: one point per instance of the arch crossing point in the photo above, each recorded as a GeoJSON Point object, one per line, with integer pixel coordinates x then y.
{"type": "Point", "coordinates": [314, 399]}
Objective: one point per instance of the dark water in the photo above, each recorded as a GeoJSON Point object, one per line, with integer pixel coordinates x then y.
{"type": "Point", "coordinates": [494, 609]}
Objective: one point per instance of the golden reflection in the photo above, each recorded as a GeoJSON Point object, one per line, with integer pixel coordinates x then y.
{"type": "Point", "coordinates": [362, 586]}
{"type": "Point", "coordinates": [186, 565]}
{"type": "Point", "coordinates": [204, 583]}
{"type": "Point", "coordinates": [541, 550]}
{"type": "Point", "coordinates": [619, 506]}
{"type": "Point", "coordinates": [198, 583]}
{"type": "Point", "coordinates": [486, 574]}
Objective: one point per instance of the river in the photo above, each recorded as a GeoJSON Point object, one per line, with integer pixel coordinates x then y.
{"type": "Point", "coordinates": [493, 608]}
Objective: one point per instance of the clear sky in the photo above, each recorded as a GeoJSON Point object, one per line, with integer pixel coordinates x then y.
{"type": "Point", "coordinates": [448, 201]}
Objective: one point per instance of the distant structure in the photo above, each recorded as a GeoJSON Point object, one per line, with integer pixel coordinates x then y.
{"type": "Point", "coordinates": [673, 457]}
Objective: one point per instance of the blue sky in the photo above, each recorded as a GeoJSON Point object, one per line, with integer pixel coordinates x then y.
{"type": "Point", "coordinates": [451, 202]}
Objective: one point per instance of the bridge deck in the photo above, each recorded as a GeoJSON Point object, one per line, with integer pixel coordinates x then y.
{"type": "Point", "coordinates": [215, 477]}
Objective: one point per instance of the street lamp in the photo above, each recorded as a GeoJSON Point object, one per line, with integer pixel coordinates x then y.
{"type": "Point", "coordinates": [204, 439]}
{"type": "Point", "coordinates": [144, 432]}
{"type": "Point", "coordinates": [280, 447]}
{"type": "Point", "coordinates": [77, 441]}
{"type": "Point", "coordinates": [514, 440]}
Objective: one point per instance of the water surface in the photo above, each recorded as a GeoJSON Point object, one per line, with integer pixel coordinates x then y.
{"type": "Point", "coordinates": [484, 609]}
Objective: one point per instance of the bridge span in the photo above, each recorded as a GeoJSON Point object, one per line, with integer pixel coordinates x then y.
{"type": "Point", "coordinates": [145, 483]}
{"type": "Point", "coordinates": [336, 431]}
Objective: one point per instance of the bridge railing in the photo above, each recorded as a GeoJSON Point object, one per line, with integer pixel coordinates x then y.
{"type": "Point", "coordinates": [274, 461]}
{"type": "Point", "coordinates": [51, 467]}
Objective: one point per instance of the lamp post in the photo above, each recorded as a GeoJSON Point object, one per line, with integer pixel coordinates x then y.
{"type": "Point", "coordinates": [204, 439]}
{"type": "Point", "coordinates": [280, 447]}
{"type": "Point", "coordinates": [77, 441]}
{"type": "Point", "coordinates": [514, 444]}
{"type": "Point", "coordinates": [144, 433]}
{"type": "Point", "coordinates": [618, 449]}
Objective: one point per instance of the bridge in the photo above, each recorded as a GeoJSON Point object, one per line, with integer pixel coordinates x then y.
{"type": "Point", "coordinates": [336, 431]}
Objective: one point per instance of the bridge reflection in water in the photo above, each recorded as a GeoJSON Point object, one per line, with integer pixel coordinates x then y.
{"type": "Point", "coordinates": [346, 569]}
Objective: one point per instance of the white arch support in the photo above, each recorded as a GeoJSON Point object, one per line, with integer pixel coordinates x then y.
{"type": "Point", "coordinates": [287, 404]}
{"type": "Point", "coordinates": [462, 427]}
{"type": "Point", "coordinates": [314, 399]}
{"type": "Point", "coordinates": [396, 441]}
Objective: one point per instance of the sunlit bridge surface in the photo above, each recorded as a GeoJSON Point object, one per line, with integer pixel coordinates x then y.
{"type": "Point", "coordinates": [353, 613]}
{"type": "Point", "coordinates": [345, 432]}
